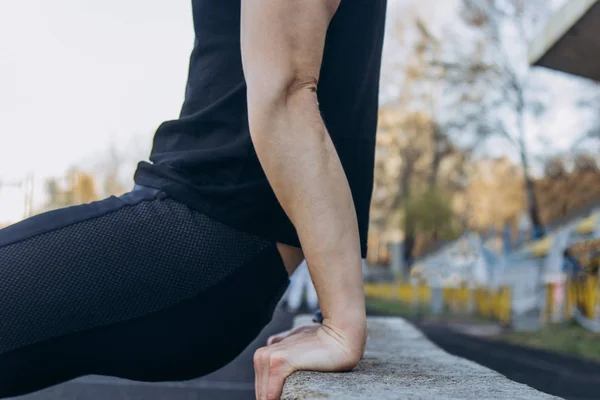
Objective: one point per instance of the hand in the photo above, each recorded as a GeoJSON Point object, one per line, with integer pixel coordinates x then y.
{"type": "Point", "coordinates": [309, 348]}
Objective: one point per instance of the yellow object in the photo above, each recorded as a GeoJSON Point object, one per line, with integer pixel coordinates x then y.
{"type": "Point", "coordinates": [590, 296]}
{"type": "Point", "coordinates": [406, 293]}
{"type": "Point", "coordinates": [587, 226]}
{"type": "Point", "coordinates": [583, 294]}
{"type": "Point", "coordinates": [571, 299]}
{"type": "Point", "coordinates": [541, 247]}
{"type": "Point", "coordinates": [487, 302]}
{"type": "Point", "coordinates": [550, 311]}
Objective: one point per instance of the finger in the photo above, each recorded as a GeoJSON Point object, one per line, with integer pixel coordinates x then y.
{"type": "Point", "coordinates": [264, 373]}
{"type": "Point", "coordinates": [256, 384]}
{"type": "Point", "coordinates": [258, 371]}
{"type": "Point", "coordinates": [279, 370]}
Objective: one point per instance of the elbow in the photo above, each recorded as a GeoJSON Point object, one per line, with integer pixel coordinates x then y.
{"type": "Point", "coordinates": [275, 100]}
{"type": "Point", "coordinates": [299, 86]}
{"type": "Point", "coordinates": [282, 92]}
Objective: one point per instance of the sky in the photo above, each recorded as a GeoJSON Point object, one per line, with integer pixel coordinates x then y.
{"type": "Point", "coordinates": [76, 76]}
{"type": "Point", "coordinates": [80, 73]}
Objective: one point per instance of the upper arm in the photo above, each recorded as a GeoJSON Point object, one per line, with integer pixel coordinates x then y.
{"type": "Point", "coordinates": [283, 43]}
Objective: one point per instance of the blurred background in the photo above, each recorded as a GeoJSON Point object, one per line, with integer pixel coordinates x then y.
{"type": "Point", "coordinates": [485, 216]}
{"type": "Point", "coordinates": [487, 197]}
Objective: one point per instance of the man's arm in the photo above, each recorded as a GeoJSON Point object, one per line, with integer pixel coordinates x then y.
{"type": "Point", "coordinates": [282, 49]}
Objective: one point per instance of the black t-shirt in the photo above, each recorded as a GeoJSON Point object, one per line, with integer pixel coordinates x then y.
{"type": "Point", "coordinates": [206, 159]}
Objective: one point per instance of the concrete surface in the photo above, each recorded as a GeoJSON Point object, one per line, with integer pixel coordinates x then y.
{"type": "Point", "coordinates": [401, 363]}
{"type": "Point", "coordinates": [558, 374]}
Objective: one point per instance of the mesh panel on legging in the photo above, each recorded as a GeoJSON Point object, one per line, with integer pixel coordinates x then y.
{"type": "Point", "coordinates": [117, 266]}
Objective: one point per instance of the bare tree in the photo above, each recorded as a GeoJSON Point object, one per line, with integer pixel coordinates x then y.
{"type": "Point", "coordinates": [511, 96]}
{"type": "Point", "coordinates": [417, 144]}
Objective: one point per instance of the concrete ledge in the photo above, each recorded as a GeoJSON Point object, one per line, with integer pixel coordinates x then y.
{"type": "Point", "coordinates": [401, 363]}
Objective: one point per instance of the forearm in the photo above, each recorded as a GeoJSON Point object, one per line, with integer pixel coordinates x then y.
{"type": "Point", "coordinates": [307, 177]}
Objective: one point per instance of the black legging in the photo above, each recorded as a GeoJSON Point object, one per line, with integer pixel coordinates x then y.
{"type": "Point", "coordinates": [139, 287]}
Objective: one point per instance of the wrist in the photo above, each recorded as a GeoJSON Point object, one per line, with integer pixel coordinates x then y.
{"type": "Point", "coordinates": [352, 338]}
{"type": "Point", "coordinates": [352, 327]}
{"type": "Point", "coordinates": [348, 315]}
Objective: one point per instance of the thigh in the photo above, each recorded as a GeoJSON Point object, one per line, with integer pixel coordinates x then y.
{"type": "Point", "coordinates": [197, 336]}
{"type": "Point", "coordinates": [187, 340]}
{"type": "Point", "coordinates": [82, 285]}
